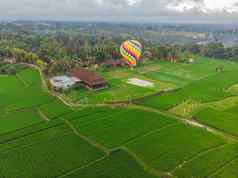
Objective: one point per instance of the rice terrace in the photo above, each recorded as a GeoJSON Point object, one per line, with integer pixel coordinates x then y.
{"type": "Point", "coordinates": [185, 126]}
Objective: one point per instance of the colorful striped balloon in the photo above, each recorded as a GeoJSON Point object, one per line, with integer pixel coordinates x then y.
{"type": "Point", "coordinates": [131, 51]}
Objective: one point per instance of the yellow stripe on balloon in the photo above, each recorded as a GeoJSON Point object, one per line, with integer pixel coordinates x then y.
{"type": "Point", "coordinates": [128, 57]}
{"type": "Point", "coordinates": [132, 49]}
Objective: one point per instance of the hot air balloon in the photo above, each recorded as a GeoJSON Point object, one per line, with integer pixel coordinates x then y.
{"type": "Point", "coordinates": [131, 51]}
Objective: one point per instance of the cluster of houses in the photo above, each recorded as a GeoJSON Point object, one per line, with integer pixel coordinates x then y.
{"type": "Point", "coordinates": [80, 77]}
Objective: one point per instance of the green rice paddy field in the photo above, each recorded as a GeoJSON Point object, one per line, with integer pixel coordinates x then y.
{"type": "Point", "coordinates": [189, 131]}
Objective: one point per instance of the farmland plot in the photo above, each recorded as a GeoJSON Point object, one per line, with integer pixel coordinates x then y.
{"type": "Point", "coordinates": [15, 95]}
{"type": "Point", "coordinates": [30, 77]}
{"type": "Point", "coordinates": [209, 163]}
{"type": "Point", "coordinates": [226, 121]}
{"type": "Point", "coordinates": [118, 165]}
{"type": "Point", "coordinates": [123, 126]}
{"type": "Point", "coordinates": [168, 148]}
{"type": "Point", "coordinates": [229, 170]}
{"type": "Point", "coordinates": [32, 147]}
{"type": "Point", "coordinates": [49, 158]}
{"type": "Point", "coordinates": [205, 90]}
{"type": "Point", "coordinates": [55, 109]}
{"type": "Point", "coordinates": [31, 138]}
{"type": "Point", "coordinates": [17, 120]}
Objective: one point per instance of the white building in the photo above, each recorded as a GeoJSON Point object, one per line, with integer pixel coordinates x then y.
{"type": "Point", "coordinates": [63, 82]}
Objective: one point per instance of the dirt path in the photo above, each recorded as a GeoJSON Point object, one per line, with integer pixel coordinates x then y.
{"type": "Point", "coordinates": [43, 116]}
{"type": "Point", "coordinates": [190, 122]}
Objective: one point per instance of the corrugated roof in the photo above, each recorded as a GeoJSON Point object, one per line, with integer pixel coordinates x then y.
{"type": "Point", "coordinates": [86, 76]}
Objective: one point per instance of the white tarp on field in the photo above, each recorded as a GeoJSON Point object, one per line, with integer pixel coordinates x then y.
{"type": "Point", "coordinates": [139, 82]}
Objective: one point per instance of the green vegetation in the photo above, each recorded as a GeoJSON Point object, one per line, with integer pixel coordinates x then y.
{"type": "Point", "coordinates": [167, 148]}
{"type": "Point", "coordinates": [30, 77]}
{"type": "Point", "coordinates": [204, 90]}
{"type": "Point", "coordinates": [42, 137]}
{"type": "Point", "coordinates": [104, 128]}
{"type": "Point", "coordinates": [119, 89]}
{"type": "Point", "coordinates": [16, 120]}
{"type": "Point", "coordinates": [233, 89]}
{"type": "Point", "coordinates": [118, 165]}
{"type": "Point", "coordinates": [165, 76]}
{"type": "Point", "coordinates": [229, 170]}
{"type": "Point", "coordinates": [187, 108]}
{"type": "Point", "coordinates": [222, 120]}
{"type": "Point", "coordinates": [55, 109]}
{"type": "Point", "coordinates": [49, 158]}
{"type": "Point", "coordinates": [208, 163]}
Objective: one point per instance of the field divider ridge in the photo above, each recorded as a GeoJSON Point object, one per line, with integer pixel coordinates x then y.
{"type": "Point", "coordinates": [88, 140]}
{"type": "Point", "coordinates": [83, 167]}
{"type": "Point", "coordinates": [22, 80]}
{"type": "Point", "coordinates": [143, 164]}
{"type": "Point", "coordinates": [221, 167]}
{"type": "Point", "coordinates": [139, 136]}
{"type": "Point", "coordinates": [191, 122]}
{"type": "Point", "coordinates": [198, 155]}
{"type": "Point", "coordinates": [42, 115]}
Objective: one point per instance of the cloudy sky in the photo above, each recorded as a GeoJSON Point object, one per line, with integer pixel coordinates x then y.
{"type": "Point", "coordinates": [121, 10]}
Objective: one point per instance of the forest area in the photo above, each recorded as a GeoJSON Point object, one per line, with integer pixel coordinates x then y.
{"type": "Point", "coordinates": [57, 50]}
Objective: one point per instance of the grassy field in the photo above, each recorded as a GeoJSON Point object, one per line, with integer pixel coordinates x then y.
{"type": "Point", "coordinates": [41, 137]}
{"type": "Point", "coordinates": [164, 75]}
{"type": "Point", "coordinates": [122, 125]}
{"type": "Point", "coordinates": [204, 90]}
{"type": "Point", "coordinates": [55, 109]}
{"type": "Point", "coordinates": [48, 158]}
{"type": "Point", "coordinates": [16, 120]}
{"type": "Point", "coordinates": [229, 170]}
{"type": "Point", "coordinates": [167, 148]}
{"type": "Point", "coordinates": [118, 165]}
{"type": "Point", "coordinates": [223, 120]}
{"type": "Point", "coordinates": [118, 90]}
{"type": "Point", "coordinates": [207, 164]}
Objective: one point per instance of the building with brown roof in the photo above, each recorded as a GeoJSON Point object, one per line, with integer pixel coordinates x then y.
{"type": "Point", "coordinates": [88, 78]}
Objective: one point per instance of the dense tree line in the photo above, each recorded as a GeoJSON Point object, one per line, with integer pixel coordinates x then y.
{"type": "Point", "coordinates": [214, 50]}
{"type": "Point", "coordinates": [62, 50]}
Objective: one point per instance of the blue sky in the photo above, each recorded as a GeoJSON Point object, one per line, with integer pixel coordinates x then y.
{"type": "Point", "coordinates": [121, 10]}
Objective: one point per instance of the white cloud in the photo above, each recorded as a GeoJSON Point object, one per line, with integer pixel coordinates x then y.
{"type": "Point", "coordinates": [121, 2]}
{"type": "Point", "coordinates": [133, 2]}
{"type": "Point", "coordinates": [205, 6]}
{"type": "Point", "coordinates": [120, 10]}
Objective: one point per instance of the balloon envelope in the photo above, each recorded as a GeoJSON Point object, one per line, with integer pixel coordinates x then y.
{"type": "Point", "coordinates": [131, 51]}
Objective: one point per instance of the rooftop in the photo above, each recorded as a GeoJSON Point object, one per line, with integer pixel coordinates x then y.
{"type": "Point", "coordinates": [63, 82]}
{"type": "Point", "coordinates": [86, 76]}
